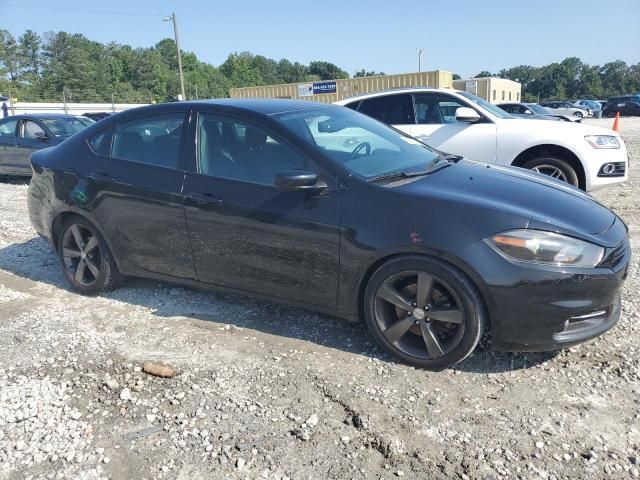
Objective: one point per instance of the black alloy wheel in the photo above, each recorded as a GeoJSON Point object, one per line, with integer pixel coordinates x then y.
{"type": "Point", "coordinates": [85, 258]}
{"type": "Point", "coordinates": [419, 314]}
{"type": "Point", "coordinates": [431, 317]}
{"type": "Point", "coordinates": [81, 255]}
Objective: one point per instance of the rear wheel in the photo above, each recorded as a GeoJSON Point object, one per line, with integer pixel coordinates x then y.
{"type": "Point", "coordinates": [85, 258]}
{"type": "Point", "coordinates": [553, 167]}
{"type": "Point", "coordinates": [611, 114]}
{"type": "Point", "coordinates": [424, 312]}
{"type": "Point", "coordinates": [578, 114]}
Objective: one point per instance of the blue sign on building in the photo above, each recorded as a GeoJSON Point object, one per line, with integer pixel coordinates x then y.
{"type": "Point", "coordinates": [324, 87]}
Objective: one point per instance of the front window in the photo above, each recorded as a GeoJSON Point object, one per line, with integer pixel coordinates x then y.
{"type": "Point", "coordinates": [65, 127]}
{"type": "Point", "coordinates": [435, 108]}
{"type": "Point", "coordinates": [359, 143]}
{"type": "Point", "coordinates": [32, 130]}
{"type": "Point", "coordinates": [493, 109]}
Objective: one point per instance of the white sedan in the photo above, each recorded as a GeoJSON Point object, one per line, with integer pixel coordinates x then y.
{"type": "Point", "coordinates": [460, 123]}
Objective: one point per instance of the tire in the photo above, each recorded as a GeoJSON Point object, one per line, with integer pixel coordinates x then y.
{"type": "Point", "coordinates": [611, 114]}
{"type": "Point", "coordinates": [578, 114]}
{"type": "Point", "coordinates": [451, 291]}
{"type": "Point", "coordinates": [546, 165]}
{"type": "Point", "coordinates": [97, 255]}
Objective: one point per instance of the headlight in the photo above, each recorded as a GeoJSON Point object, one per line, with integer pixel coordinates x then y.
{"type": "Point", "coordinates": [603, 141]}
{"type": "Point", "coordinates": [547, 248]}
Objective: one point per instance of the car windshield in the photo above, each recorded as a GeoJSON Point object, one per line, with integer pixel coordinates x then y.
{"type": "Point", "coordinates": [358, 142]}
{"type": "Point", "coordinates": [538, 109]}
{"type": "Point", "coordinates": [65, 127]}
{"type": "Point", "coordinates": [493, 109]}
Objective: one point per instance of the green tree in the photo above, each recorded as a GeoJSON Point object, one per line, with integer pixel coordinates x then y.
{"type": "Point", "coordinates": [327, 71]}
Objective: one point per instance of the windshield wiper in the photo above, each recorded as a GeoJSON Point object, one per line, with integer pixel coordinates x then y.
{"type": "Point", "coordinates": [404, 174]}
{"type": "Point", "coordinates": [451, 158]}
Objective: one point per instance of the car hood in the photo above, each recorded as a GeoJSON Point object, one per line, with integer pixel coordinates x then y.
{"type": "Point", "coordinates": [546, 202]}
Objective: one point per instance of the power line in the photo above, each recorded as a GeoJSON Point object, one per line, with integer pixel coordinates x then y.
{"type": "Point", "coordinates": [81, 10]}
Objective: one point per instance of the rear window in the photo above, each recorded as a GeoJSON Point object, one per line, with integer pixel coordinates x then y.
{"type": "Point", "coordinates": [390, 109]}
{"type": "Point", "coordinates": [153, 140]}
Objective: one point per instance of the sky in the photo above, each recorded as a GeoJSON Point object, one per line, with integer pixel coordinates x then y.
{"type": "Point", "coordinates": [461, 36]}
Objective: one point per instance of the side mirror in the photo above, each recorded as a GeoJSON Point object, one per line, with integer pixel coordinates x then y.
{"type": "Point", "coordinates": [298, 181]}
{"type": "Point", "coordinates": [43, 137]}
{"type": "Point", "coordinates": [466, 114]}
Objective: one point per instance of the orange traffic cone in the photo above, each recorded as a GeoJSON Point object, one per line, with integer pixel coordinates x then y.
{"type": "Point", "coordinates": [616, 127]}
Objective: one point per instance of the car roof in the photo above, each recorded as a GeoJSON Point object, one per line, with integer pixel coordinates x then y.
{"type": "Point", "coordinates": [265, 106]}
{"type": "Point", "coordinates": [363, 96]}
{"type": "Point", "coordinates": [45, 116]}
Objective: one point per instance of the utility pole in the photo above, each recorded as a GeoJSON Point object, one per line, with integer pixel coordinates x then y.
{"type": "Point", "coordinates": [420, 52]}
{"type": "Point", "coordinates": [175, 34]}
{"type": "Point", "coordinates": [64, 99]}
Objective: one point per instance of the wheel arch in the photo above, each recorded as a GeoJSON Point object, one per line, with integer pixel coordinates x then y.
{"type": "Point", "coordinates": [462, 267]}
{"type": "Point", "coordinates": [558, 151]}
{"type": "Point", "coordinates": [59, 220]}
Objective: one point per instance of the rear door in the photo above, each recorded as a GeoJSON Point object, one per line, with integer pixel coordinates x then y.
{"type": "Point", "coordinates": [250, 236]}
{"type": "Point", "coordinates": [136, 179]}
{"type": "Point", "coordinates": [437, 127]}
{"type": "Point", "coordinates": [396, 110]}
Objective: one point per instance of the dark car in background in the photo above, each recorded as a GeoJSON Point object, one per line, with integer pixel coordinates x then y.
{"type": "Point", "coordinates": [323, 207]}
{"type": "Point", "coordinates": [97, 116]}
{"type": "Point", "coordinates": [625, 105]}
{"type": "Point", "coordinates": [21, 135]}
{"type": "Point", "coordinates": [533, 110]}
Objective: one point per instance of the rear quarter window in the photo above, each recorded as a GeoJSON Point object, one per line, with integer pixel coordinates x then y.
{"type": "Point", "coordinates": [100, 142]}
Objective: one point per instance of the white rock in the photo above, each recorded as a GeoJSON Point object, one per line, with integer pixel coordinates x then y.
{"type": "Point", "coordinates": [125, 394]}
{"type": "Point", "coordinates": [312, 421]}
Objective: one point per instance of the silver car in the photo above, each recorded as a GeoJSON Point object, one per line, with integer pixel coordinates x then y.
{"type": "Point", "coordinates": [567, 108]}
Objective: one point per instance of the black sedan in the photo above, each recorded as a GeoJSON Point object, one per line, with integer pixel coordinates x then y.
{"type": "Point", "coordinates": [21, 135]}
{"type": "Point", "coordinates": [322, 207]}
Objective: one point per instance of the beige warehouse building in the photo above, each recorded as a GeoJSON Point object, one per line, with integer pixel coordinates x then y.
{"type": "Point", "coordinates": [495, 90]}
{"type": "Point", "coordinates": [333, 90]}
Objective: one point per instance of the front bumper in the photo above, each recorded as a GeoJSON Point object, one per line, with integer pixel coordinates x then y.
{"type": "Point", "coordinates": [596, 159]}
{"type": "Point", "coordinates": [539, 308]}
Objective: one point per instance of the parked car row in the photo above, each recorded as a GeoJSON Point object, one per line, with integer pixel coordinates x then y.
{"type": "Point", "coordinates": [323, 207]}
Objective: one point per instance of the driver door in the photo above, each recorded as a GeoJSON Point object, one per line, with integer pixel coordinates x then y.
{"type": "Point", "coordinates": [245, 233]}
{"type": "Point", "coordinates": [31, 137]}
{"type": "Point", "coordinates": [437, 126]}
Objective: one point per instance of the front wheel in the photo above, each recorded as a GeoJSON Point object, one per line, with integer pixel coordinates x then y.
{"type": "Point", "coordinates": [554, 168]}
{"type": "Point", "coordinates": [423, 311]}
{"type": "Point", "coordinates": [85, 258]}
{"type": "Point", "coordinates": [579, 114]}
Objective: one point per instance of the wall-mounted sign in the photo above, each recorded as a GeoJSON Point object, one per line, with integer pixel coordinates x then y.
{"type": "Point", "coordinates": [471, 87]}
{"type": "Point", "coordinates": [324, 87]}
{"type": "Point", "coordinates": [305, 89]}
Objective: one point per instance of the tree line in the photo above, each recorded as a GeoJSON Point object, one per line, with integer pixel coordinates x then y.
{"type": "Point", "coordinates": [59, 65]}
{"type": "Point", "coordinates": [573, 79]}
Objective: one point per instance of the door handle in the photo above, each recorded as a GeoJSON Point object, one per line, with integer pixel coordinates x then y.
{"type": "Point", "coordinates": [99, 176]}
{"type": "Point", "coordinates": [204, 198]}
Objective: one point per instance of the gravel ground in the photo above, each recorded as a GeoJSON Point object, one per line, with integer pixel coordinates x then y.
{"type": "Point", "coordinates": [264, 391]}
